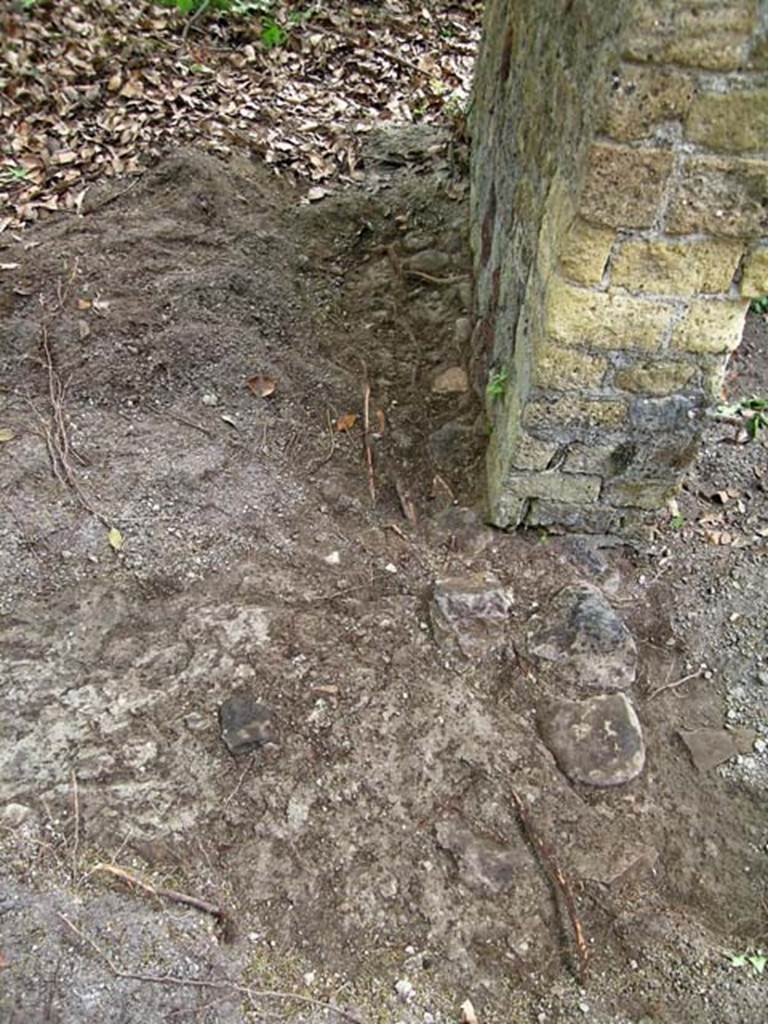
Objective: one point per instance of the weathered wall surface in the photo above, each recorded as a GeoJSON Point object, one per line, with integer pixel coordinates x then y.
{"type": "Point", "coordinates": [620, 208]}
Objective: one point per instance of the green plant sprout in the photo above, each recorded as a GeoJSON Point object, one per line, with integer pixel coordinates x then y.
{"type": "Point", "coordinates": [756, 959]}
{"type": "Point", "coordinates": [497, 384]}
{"type": "Point", "coordinates": [754, 410]}
{"type": "Point", "coordinates": [13, 174]}
{"type": "Point", "coordinates": [759, 305]}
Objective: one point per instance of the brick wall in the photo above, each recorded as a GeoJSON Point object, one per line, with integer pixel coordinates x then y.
{"type": "Point", "coordinates": [620, 208]}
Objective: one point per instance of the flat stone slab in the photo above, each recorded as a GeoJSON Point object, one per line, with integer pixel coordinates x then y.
{"type": "Point", "coordinates": [246, 724]}
{"type": "Point", "coordinates": [598, 740]}
{"type": "Point", "coordinates": [586, 639]}
{"type": "Point", "coordinates": [710, 747]}
{"type": "Point", "coordinates": [470, 613]}
{"type": "Point", "coordinates": [483, 864]}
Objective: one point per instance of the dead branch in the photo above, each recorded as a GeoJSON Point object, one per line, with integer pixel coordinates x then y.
{"type": "Point", "coordinates": [367, 440]}
{"type": "Point", "coordinates": [76, 840]}
{"type": "Point", "coordinates": [317, 463]}
{"type": "Point", "coordinates": [406, 505]}
{"type": "Point", "coordinates": [170, 894]}
{"type": "Point", "coordinates": [674, 684]}
{"type": "Point", "coordinates": [555, 872]}
{"type": "Point", "coordinates": [253, 994]}
{"type": "Point", "coordinates": [455, 279]}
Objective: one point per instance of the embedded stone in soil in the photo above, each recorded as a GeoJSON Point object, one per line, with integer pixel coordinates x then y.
{"type": "Point", "coordinates": [470, 614]}
{"type": "Point", "coordinates": [598, 740]}
{"type": "Point", "coordinates": [710, 747]}
{"type": "Point", "coordinates": [587, 640]}
{"type": "Point", "coordinates": [246, 724]}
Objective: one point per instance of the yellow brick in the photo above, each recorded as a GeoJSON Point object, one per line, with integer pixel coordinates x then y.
{"type": "Point", "coordinates": [721, 196]}
{"type": "Point", "coordinates": [613, 320]}
{"type": "Point", "coordinates": [676, 268]}
{"type": "Point", "coordinates": [624, 186]}
{"type": "Point", "coordinates": [711, 326]}
{"type": "Point", "coordinates": [657, 378]}
{"type": "Point", "coordinates": [754, 283]}
{"type": "Point", "coordinates": [713, 378]}
{"type": "Point", "coordinates": [531, 453]}
{"type": "Point", "coordinates": [585, 251]}
{"type": "Point", "coordinates": [709, 34]}
{"type": "Point", "coordinates": [642, 97]}
{"type": "Point", "coordinates": [573, 412]}
{"type": "Point", "coordinates": [566, 369]}
{"type": "Point", "coordinates": [735, 122]}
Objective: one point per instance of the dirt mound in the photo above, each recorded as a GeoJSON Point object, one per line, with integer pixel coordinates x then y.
{"type": "Point", "coordinates": [367, 852]}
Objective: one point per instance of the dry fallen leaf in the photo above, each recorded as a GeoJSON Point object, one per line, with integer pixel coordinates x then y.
{"type": "Point", "coordinates": [346, 422]}
{"type": "Point", "coordinates": [6, 434]}
{"type": "Point", "coordinates": [84, 303]}
{"type": "Point", "coordinates": [350, 71]}
{"type": "Point", "coordinates": [116, 539]}
{"type": "Point", "coordinates": [262, 385]}
{"type": "Point", "coordinates": [381, 420]}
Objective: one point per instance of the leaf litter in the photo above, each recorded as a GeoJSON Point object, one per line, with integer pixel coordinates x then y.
{"type": "Point", "coordinates": [97, 89]}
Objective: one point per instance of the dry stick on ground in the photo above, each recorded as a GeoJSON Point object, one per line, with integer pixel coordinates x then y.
{"type": "Point", "coordinates": [253, 994]}
{"type": "Point", "coordinates": [56, 433]}
{"type": "Point", "coordinates": [367, 437]}
{"type": "Point", "coordinates": [435, 280]}
{"type": "Point", "coordinates": [315, 464]}
{"type": "Point", "coordinates": [674, 684]}
{"type": "Point", "coordinates": [555, 872]}
{"type": "Point", "coordinates": [169, 894]}
{"type": "Point", "coordinates": [76, 840]}
{"type": "Point", "coordinates": [406, 504]}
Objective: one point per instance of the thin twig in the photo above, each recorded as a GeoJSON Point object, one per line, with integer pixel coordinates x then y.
{"type": "Point", "coordinates": [240, 781]}
{"type": "Point", "coordinates": [406, 504]}
{"type": "Point", "coordinates": [317, 463]}
{"type": "Point", "coordinates": [253, 994]}
{"type": "Point", "coordinates": [195, 17]}
{"type": "Point", "coordinates": [367, 439]}
{"type": "Point", "coordinates": [435, 280]}
{"type": "Point", "coordinates": [555, 872]}
{"type": "Point", "coordinates": [674, 684]}
{"type": "Point", "coordinates": [76, 840]}
{"type": "Point", "coordinates": [115, 195]}
{"type": "Point", "coordinates": [169, 894]}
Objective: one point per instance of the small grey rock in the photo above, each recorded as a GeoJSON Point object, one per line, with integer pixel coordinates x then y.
{"type": "Point", "coordinates": [246, 724]}
{"type": "Point", "coordinates": [470, 613]}
{"type": "Point", "coordinates": [404, 990]}
{"type": "Point", "coordinates": [416, 240]}
{"type": "Point", "coordinates": [587, 640]}
{"type": "Point", "coordinates": [430, 261]}
{"type": "Point", "coordinates": [13, 815]}
{"type": "Point", "coordinates": [598, 740]}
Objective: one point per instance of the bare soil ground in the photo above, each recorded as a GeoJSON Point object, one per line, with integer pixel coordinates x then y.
{"type": "Point", "coordinates": [374, 840]}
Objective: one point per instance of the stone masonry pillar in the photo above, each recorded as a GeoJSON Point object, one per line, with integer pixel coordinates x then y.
{"type": "Point", "coordinates": [620, 214]}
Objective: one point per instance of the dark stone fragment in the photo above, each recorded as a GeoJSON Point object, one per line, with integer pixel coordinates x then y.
{"type": "Point", "coordinates": [674, 414]}
{"type": "Point", "coordinates": [587, 640]}
{"type": "Point", "coordinates": [246, 724]}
